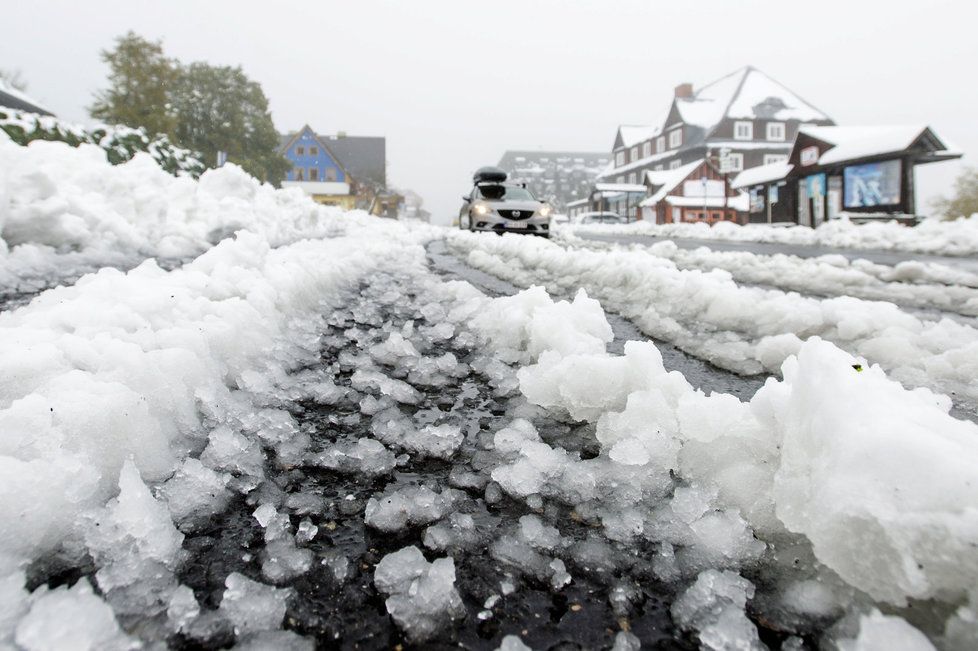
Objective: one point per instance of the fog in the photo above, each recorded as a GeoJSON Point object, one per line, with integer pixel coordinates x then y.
{"type": "Point", "coordinates": [452, 85]}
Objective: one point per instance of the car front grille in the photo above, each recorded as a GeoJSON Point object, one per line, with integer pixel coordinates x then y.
{"type": "Point", "coordinates": [516, 214]}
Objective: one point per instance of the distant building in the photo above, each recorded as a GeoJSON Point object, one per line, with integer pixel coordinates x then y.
{"type": "Point", "coordinates": [694, 192]}
{"type": "Point", "coordinates": [742, 120]}
{"type": "Point", "coordinates": [862, 172]}
{"type": "Point", "coordinates": [560, 177]}
{"type": "Point", "coordinates": [12, 98]}
{"type": "Point", "coordinates": [340, 170]}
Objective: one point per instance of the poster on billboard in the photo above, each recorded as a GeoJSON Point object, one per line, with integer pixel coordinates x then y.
{"type": "Point", "coordinates": [757, 199]}
{"type": "Point", "coordinates": [873, 184]}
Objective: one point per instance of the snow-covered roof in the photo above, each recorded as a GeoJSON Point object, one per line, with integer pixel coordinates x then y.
{"type": "Point", "coordinates": [668, 180]}
{"type": "Point", "coordinates": [17, 99]}
{"type": "Point", "coordinates": [740, 201]}
{"type": "Point", "coordinates": [854, 142]}
{"type": "Point", "coordinates": [747, 93]}
{"type": "Point", "coordinates": [632, 134]}
{"type": "Point", "coordinates": [620, 187]}
{"type": "Point", "coordinates": [762, 174]}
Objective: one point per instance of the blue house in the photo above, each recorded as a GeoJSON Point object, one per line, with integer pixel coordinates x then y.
{"type": "Point", "coordinates": [316, 169]}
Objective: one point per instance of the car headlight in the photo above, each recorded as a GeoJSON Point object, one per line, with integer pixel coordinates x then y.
{"type": "Point", "coordinates": [480, 209]}
{"type": "Point", "coordinates": [546, 210]}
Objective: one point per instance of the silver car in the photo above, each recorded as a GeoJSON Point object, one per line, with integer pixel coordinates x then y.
{"type": "Point", "coordinates": [500, 207]}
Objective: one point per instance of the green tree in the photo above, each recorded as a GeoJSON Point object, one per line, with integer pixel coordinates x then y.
{"type": "Point", "coordinates": [219, 108]}
{"type": "Point", "coordinates": [964, 201]}
{"type": "Point", "coordinates": [140, 78]}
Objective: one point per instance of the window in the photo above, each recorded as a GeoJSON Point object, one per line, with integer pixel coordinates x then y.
{"type": "Point", "coordinates": [775, 131]}
{"type": "Point", "coordinates": [659, 168]}
{"type": "Point", "coordinates": [735, 162]}
{"type": "Point", "coordinates": [313, 174]}
{"type": "Point", "coordinates": [330, 173]}
{"type": "Point", "coordinates": [619, 158]}
{"type": "Point", "coordinates": [632, 178]}
{"type": "Point", "coordinates": [314, 151]}
{"type": "Point", "coordinates": [647, 149]}
{"type": "Point", "coordinates": [676, 164]}
{"type": "Point", "coordinates": [633, 154]}
{"type": "Point", "coordinates": [743, 130]}
{"type": "Point", "coordinates": [774, 158]}
{"type": "Point", "coordinates": [621, 179]}
{"type": "Point", "coordinates": [300, 150]}
{"type": "Point", "coordinates": [660, 144]}
{"type": "Point", "coordinates": [298, 174]}
{"type": "Point", "coordinates": [675, 138]}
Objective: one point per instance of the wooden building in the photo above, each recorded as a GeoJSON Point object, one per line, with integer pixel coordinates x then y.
{"type": "Point", "coordinates": [750, 117]}
{"type": "Point", "coordinates": [859, 172]}
{"type": "Point", "coordinates": [694, 192]}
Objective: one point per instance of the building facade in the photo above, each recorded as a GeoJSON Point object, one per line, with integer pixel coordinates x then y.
{"type": "Point", "coordinates": [340, 170]}
{"type": "Point", "coordinates": [742, 120]}
{"type": "Point", "coordinates": [860, 172]}
{"type": "Point", "coordinates": [559, 177]}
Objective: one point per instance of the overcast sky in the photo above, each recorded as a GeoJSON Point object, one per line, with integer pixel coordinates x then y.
{"type": "Point", "coordinates": [452, 84]}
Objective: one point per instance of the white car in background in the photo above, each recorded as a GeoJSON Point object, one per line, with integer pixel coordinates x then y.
{"type": "Point", "coordinates": [496, 206]}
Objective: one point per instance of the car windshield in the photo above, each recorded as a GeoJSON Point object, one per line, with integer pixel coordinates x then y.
{"type": "Point", "coordinates": [504, 193]}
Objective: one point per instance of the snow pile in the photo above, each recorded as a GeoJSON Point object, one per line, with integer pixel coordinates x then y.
{"type": "Point", "coordinates": [835, 451]}
{"type": "Point", "coordinates": [958, 237]}
{"type": "Point", "coordinates": [914, 284]}
{"type": "Point", "coordinates": [745, 329]}
{"type": "Point", "coordinates": [422, 597]}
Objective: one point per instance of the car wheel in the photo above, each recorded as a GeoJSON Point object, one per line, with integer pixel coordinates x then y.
{"type": "Point", "coordinates": [465, 222]}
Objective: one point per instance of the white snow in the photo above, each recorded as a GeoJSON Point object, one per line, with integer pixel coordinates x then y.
{"type": "Point", "coordinates": [878, 632]}
{"type": "Point", "coordinates": [958, 237]}
{"type": "Point", "coordinates": [714, 607]}
{"type": "Point", "coordinates": [745, 329]}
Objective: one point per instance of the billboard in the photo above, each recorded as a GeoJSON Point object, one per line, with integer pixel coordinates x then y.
{"type": "Point", "coordinates": [873, 184]}
{"type": "Point", "coordinates": [757, 199]}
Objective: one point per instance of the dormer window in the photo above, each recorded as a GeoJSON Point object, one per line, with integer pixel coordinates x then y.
{"type": "Point", "coordinates": [633, 155]}
{"type": "Point", "coordinates": [675, 138]}
{"type": "Point", "coordinates": [775, 131]}
{"type": "Point", "coordinates": [660, 144]}
{"type": "Point", "coordinates": [743, 130]}
{"type": "Point", "coordinates": [300, 150]}
{"type": "Point", "coordinates": [647, 149]}
{"type": "Point", "coordinates": [619, 158]}
{"type": "Point", "coordinates": [314, 151]}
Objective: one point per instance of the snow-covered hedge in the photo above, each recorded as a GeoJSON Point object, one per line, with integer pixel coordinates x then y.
{"type": "Point", "coordinates": [120, 143]}
{"type": "Point", "coordinates": [957, 237]}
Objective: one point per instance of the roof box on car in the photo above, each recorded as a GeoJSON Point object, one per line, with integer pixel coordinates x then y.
{"type": "Point", "coordinates": [489, 175]}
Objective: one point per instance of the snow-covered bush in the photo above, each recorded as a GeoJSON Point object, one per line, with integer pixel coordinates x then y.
{"type": "Point", "coordinates": [121, 143]}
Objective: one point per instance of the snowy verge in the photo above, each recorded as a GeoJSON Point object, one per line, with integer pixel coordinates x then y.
{"type": "Point", "coordinates": [958, 237]}
{"type": "Point", "coordinates": [928, 286]}
{"type": "Point", "coordinates": [745, 329]}
{"type": "Point", "coordinates": [881, 481]}
{"type": "Point", "coordinates": [145, 367]}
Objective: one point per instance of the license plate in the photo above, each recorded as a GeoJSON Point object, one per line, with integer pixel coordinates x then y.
{"type": "Point", "coordinates": [516, 224]}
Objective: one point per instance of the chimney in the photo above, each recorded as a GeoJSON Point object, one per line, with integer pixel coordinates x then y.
{"type": "Point", "coordinates": [684, 91]}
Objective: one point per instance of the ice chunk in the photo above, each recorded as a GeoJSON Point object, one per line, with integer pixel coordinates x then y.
{"type": "Point", "coordinates": [137, 546]}
{"type": "Point", "coordinates": [195, 491]}
{"type": "Point", "coordinates": [878, 632]}
{"type": "Point", "coordinates": [232, 452]}
{"type": "Point", "coordinates": [410, 506]}
{"type": "Point", "coordinates": [253, 607]}
{"type": "Point", "coordinates": [714, 607]}
{"type": "Point", "coordinates": [365, 455]}
{"type": "Point", "coordinates": [421, 595]}
{"type": "Point", "coordinates": [625, 641]}
{"type": "Point", "coordinates": [363, 380]}
{"type": "Point", "coordinates": [183, 607]}
{"type": "Point", "coordinates": [438, 441]}
{"type": "Point", "coordinates": [71, 618]}
{"type": "Point", "coordinates": [513, 643]}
